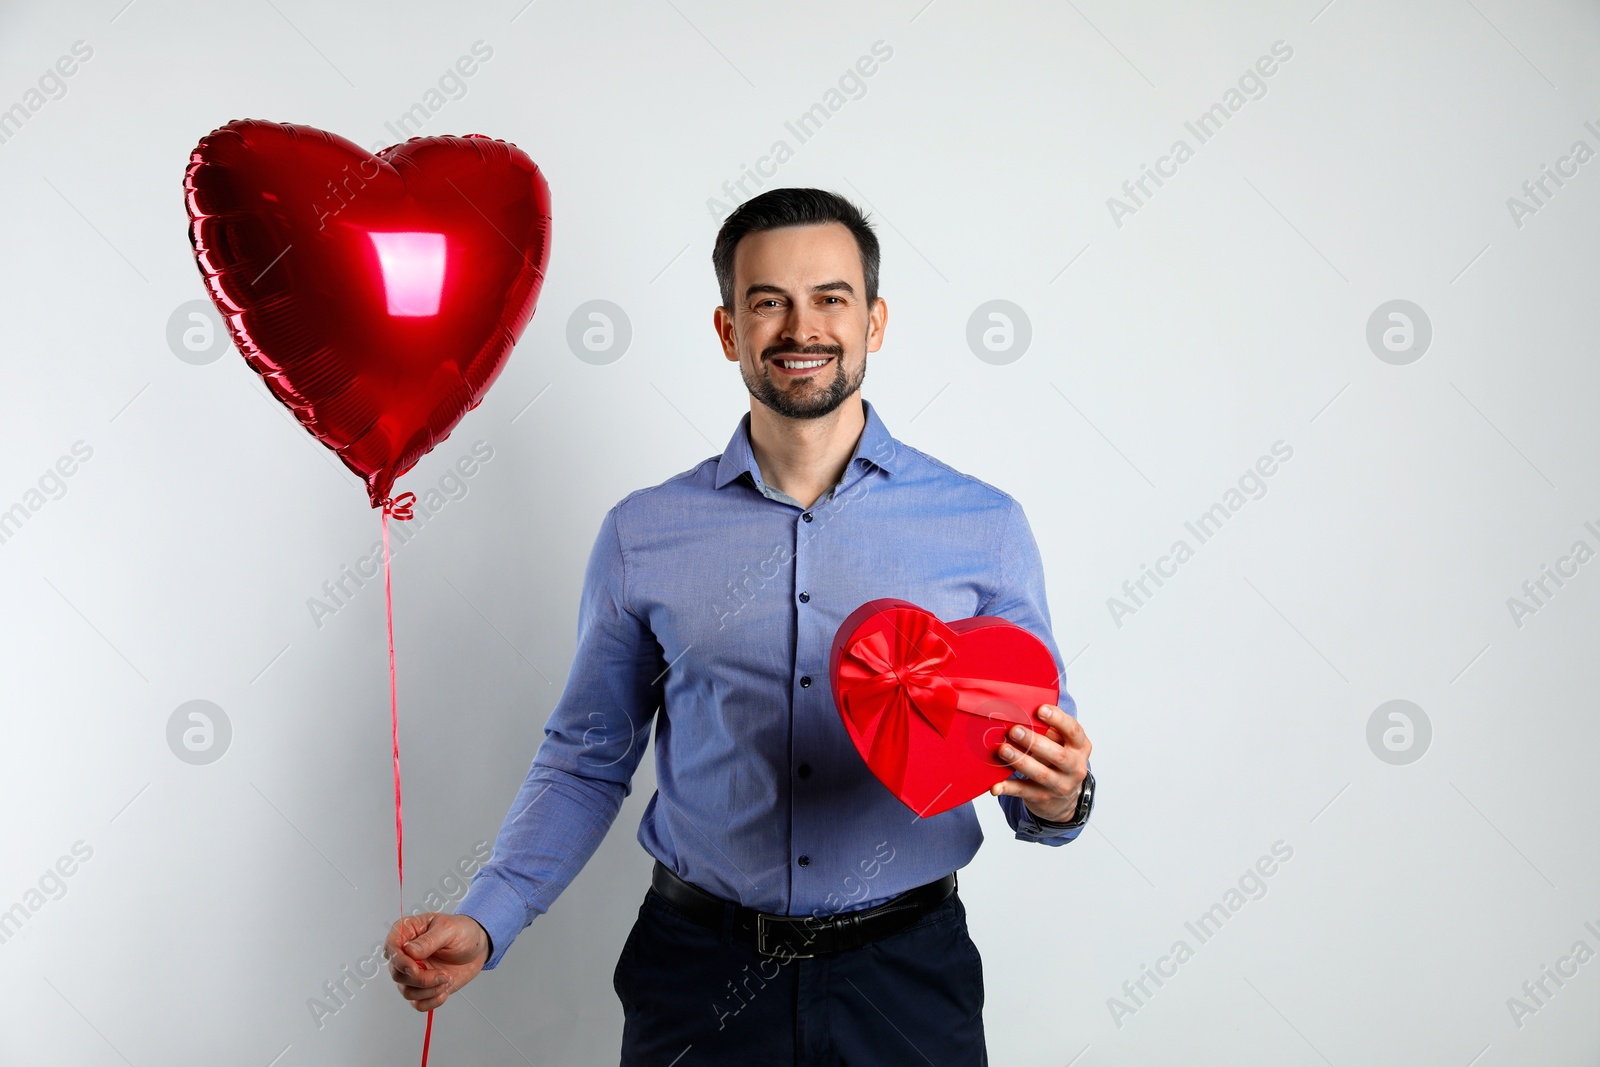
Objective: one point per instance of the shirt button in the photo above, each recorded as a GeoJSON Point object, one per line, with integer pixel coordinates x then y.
{"type": "Point", "coordinates": [805, 681]}
{"type": "Point", "coordinates": [804, 770]}
{"type": "Point", "coordinates": [806, 516]}
{"type": "Point", "coordinates": [805, 598]}
{"type": "Point", "coordinates": [805, 861]}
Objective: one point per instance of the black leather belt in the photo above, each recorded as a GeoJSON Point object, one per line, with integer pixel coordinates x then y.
{"type": "Point", "coordinates": [801, 936]}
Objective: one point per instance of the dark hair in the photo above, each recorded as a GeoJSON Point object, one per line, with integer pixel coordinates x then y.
{"type": "Point", "coordinates": [777, 208]}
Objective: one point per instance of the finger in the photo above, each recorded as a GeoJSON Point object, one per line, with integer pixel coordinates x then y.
{"type": "Point", "coordinates": [1069, 731]}
{"type": "Point", "coordinates": [1038, 746]}
{"type": "Point", "coordinates": [409, 972]}
{"type": "Point", "coordinates": [400, 934]}
{"type": "Point", "coordinates": [1049, 731]}
{"type": "Point", "coordinates": [1028, 792]}
{"type": "Point", "coordinates": [401, 966]}
{"type": "Point", "coordinates": [426, 939]}
{"type": "Point", "coordinates": [401, 931]}
{"type": "Point", "coordinates": [1036, 771]}
{"type": "Point", "coordinates": [431, 1003]}
{"type": "Point", "coordinates": [430, 997]}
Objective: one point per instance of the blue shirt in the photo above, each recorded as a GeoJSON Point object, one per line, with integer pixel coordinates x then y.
{"type": "Point", "coordinates": [709, 608]}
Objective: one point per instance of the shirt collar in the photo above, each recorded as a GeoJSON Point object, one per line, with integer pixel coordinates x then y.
{"type": "Point", "coordinates": [875, 448]}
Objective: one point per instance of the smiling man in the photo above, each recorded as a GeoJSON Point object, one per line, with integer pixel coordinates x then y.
{"type": "Point", "coordinates": [797, 913]}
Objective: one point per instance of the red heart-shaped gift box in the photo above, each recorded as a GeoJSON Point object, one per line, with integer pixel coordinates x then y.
{"type": "Point", "coordinates": [927, 704]}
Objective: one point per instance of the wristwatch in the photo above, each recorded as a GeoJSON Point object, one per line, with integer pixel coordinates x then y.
{"type": "Point", "coordinates": [1081, 815]}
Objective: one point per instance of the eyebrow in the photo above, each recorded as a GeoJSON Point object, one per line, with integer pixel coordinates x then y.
{"type": "Point", "coordinates": [825, 287]}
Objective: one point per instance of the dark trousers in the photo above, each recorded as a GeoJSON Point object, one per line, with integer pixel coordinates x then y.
{"type": "Point", "coordinates": [693, 997]}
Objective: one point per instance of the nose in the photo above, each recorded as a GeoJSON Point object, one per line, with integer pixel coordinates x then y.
{"type": "Point", "coordinates": [802, 326]}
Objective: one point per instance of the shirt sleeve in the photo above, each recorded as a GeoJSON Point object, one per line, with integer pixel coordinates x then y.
{"type": "Point", "coordinates": [1019, 597]}
{"type": "Point", "coordinates": [584, 767]}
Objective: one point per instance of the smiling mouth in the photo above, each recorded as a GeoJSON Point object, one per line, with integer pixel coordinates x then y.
{"type": "Point", "coordinates": [799, 365]}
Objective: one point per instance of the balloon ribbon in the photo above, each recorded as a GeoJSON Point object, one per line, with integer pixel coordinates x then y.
{"type": "Point", "coordinates": [400, 508]}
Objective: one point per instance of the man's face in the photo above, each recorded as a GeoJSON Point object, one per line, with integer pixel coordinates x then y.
{"type": "Point", "coordinates": [800, 327]}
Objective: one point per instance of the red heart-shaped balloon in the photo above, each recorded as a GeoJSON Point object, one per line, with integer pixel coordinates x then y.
{"type": "Point", "coordinates": [378, 296]}
{"type": "Point", "coordinates": [928, 704]}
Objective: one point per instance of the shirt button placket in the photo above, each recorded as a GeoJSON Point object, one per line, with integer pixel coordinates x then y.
{"type": "Point", "coordinates": [804, 640]}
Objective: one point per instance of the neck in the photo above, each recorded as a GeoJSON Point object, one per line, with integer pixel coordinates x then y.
{"type": "Point", "coordinates": [805, 457]}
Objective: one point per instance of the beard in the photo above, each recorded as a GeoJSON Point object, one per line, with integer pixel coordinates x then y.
{"type": "Point", "coordinates": [810, 398]}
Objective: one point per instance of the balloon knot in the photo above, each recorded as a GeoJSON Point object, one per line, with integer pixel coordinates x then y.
{"type": "Point", "coordinates": [400, 506]}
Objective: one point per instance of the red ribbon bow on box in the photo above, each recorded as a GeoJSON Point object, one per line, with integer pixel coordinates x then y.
{"type": "Point", "coordinates": [892, 681]}
{"type": "Point", "coordinates": [927, 704]}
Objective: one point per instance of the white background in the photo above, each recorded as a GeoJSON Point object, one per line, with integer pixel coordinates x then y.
{"type": "Point", "coordinates": [1168, 353]}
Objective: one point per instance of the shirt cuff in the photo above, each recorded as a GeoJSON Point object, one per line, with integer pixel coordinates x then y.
{"type": "Point", "coordinates": [501, 912]}
{"type": "Point", "coordinates": [1031, 828]}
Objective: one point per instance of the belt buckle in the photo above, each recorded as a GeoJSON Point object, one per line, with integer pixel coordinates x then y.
{"type": "Point", "coordinates": [766, 923]}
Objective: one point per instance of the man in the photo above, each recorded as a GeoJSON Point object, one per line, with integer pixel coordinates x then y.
{"type": "Point", "coordinates": [709, 606]}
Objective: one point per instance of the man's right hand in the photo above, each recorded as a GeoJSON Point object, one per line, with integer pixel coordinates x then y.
{"type": "Point", "coordinates": [433, 954]}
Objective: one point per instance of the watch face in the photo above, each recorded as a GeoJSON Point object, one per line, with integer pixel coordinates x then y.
{"type": "Point", "coordinates": [1085, 802]}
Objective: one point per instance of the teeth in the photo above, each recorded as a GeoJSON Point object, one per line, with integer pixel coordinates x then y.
{"type": "Point", "coordinates": [801, 364]}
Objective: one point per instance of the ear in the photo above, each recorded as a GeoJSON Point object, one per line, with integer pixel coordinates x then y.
{"type": "Point", "coordinates": [722, 322]}
{"type": "Point", "coordinates": [877, 322]}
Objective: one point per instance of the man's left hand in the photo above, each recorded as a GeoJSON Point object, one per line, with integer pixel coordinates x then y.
{"type": "Point", "coordinates": [1054, 763]}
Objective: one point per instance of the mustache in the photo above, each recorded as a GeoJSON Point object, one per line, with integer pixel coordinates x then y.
{"type": "Point", "coordinates": [807, 350]}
